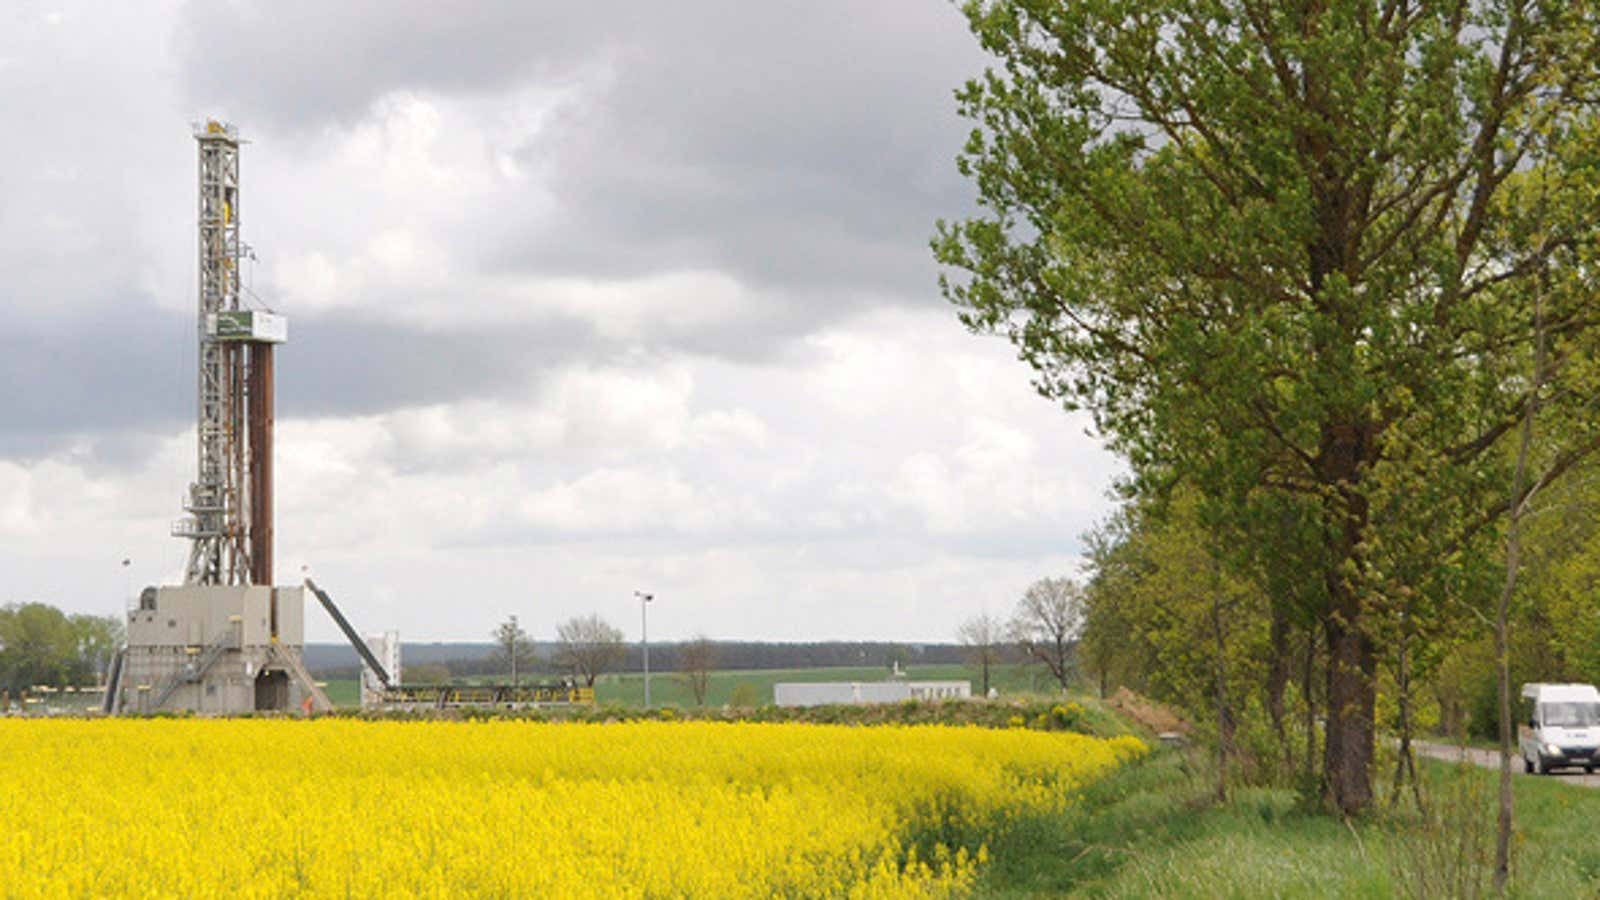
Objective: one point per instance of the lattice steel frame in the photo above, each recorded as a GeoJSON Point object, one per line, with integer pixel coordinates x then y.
{"type": "Point", "coordinates": [219, 550]}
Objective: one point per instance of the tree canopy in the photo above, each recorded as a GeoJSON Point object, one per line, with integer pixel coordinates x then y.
{"type": "Point", "coordinates": [589, 646]}
{"type": "Point", "coordinates": [41, 645]}
{"type": "Point", "coordinates": [983, 640]}
{"type": "Point", "coordinates": [1292, 254]}
{"type": "Point", "coordinates": [1045, 626]}
{"type": "Point", "coordinates": [696, 660]}
{"type": "Point", "coordinates": [513, 650]}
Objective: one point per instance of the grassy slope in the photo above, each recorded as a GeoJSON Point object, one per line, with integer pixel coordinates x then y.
{"type": "Point", "coordinates": [343, 692]}
{"type": "Point", "coordinates": [1148, 832]}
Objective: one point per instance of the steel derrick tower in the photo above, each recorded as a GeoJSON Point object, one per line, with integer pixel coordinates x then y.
{"type": "Point", "coordinates": [228, 641]}
{"type": "Point", "coordinates": [229, 526]}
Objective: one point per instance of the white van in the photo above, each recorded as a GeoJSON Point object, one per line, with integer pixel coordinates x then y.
{"type": "Point", "coordinates": [1562, 727]}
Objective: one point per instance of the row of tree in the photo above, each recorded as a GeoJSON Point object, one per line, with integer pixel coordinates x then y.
{"type": "Point", "coordinates": [1165, 616]}
{"type": "Point", "coordinates": [41, 646]}
{"type": "Point", "coordinates": [1327, 275]}
{"type": "Point", "coordinates": [1042, 630]}
{"type": "Point", "coordinates": [588, 646]}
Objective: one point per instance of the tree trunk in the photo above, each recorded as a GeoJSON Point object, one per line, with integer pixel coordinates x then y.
{"type": "Point", "coordinates": [1277, 683]}
{"type": "Point", "coordinates": [1225, 720]}
{"type": "Point", "coordinates": [1060, 664]}
{"type": "Point", "coordinates": [1352, 690]}
{"type": "Point", "coordinates": [1502, 617]}
{"type": "Point", "coordinates": [1352, 701]}
{"type": "Point", "coordinates": [1502, 844]}
{"type": "Point", "coordinates": [1308, 693]}
{"type": "Point", "coordinates": [1406, 765]}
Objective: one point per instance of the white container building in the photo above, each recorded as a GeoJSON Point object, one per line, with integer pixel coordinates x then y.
{"type": "Point", "coordinates": [820, 693]}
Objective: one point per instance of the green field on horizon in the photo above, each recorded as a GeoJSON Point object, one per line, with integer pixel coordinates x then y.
{"type": "Point", "coordinates": [672, 688]}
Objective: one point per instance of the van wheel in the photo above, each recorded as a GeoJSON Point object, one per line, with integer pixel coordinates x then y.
{"type": "Point", "coordinates": [1589, 769]}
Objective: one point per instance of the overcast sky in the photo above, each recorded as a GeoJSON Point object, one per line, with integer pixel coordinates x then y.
{"type": "Point", "coordinates": [584, 298]}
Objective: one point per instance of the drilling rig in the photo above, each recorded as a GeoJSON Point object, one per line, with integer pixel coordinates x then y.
{"type": "Point", "coordinates": [226, 640]}
{"type": "Point", "coordinates": [229, 527]}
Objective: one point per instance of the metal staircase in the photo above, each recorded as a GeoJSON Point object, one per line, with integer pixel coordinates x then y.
{"type": "Point", "coordinates": [297, 669]}
{"type": "Point", "coordinates": [111, 703]}
{"type": "Point", "coordinates": [196, 669]}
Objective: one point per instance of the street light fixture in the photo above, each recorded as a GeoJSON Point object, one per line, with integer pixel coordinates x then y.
{"type": "Point", "coordinates": [644, 638]}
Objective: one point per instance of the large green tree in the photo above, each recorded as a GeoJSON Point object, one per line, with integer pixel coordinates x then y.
{"type": "Point", "coordinates": [97, 638]}
{"type": "Point", "coordinates": [41, 645]}
{"type": "Point", "coordinates": [1290, 252]}
{"type": "Point", "coordinates": [38, 646]}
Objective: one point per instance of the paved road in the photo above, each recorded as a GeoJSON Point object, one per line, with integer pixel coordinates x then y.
{"type": "Point", "coordinates": [1490, 759]}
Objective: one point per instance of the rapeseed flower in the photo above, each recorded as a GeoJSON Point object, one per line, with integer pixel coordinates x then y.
{"type": "Point", "coordinates": [284, 808]}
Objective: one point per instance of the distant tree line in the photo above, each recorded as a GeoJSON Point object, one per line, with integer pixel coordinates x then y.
{"type": "Point", "coordinates": [812, 655]}
{"type": "Point", "coordinates": [41, 646]}
{"type": "Point", "coordinates": [482, 660]}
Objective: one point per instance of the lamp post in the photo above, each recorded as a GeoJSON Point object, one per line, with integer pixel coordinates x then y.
{"type": "Point", "coordinates": [644, 639]}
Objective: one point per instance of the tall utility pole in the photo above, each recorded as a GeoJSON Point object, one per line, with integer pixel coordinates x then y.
{"type": "Point", "coordinates": [644, 639]}
{"type": "Point", "coordinates": [229, 526]}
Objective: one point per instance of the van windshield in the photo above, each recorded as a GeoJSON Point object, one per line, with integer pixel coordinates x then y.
{"type": "Point", "coordinates": [1570, 715]}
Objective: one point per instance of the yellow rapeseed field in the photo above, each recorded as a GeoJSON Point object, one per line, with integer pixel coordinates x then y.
{"type": "Point", "coordinates": [283, 808]}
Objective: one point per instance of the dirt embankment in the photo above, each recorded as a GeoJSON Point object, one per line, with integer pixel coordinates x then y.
{"type": "Point", "coordinates": [1157, 717]}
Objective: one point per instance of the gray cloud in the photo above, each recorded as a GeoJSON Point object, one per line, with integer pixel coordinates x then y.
{"type": "Point", "coordinates": [122, 369]}
{"type": "Point", "coordinates": [790, 145]}
{"type": "Point", "coordinates": [796, 146]}
{"type": "Point", "coordinates": [583, 297]}
{"type": "Point", "coordinates": [804, 150]}
{"type": "Point", "coordinates": [346, 365]}
{"type": "Point", "coordinates": [129, 371]}
{"type": "Point", "coordinates": [300, 64]}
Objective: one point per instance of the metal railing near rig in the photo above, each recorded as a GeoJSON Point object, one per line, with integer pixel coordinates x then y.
{"type": "Point", "coordinates": [440, 696]}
